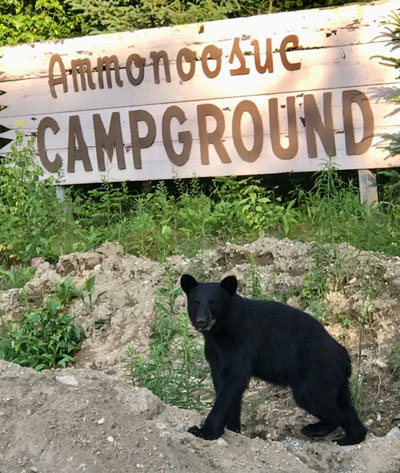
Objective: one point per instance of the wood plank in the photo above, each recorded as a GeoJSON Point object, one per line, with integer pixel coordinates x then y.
{"type": "Point", "coordinates": [317, 28]}
{"type": "Point", "coordinates": [322, 69]}
{"type": "Point", "coordinates": [382, 120]}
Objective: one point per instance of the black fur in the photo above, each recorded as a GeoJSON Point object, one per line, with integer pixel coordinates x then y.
{"type": "Point", "coordinates": [276, 343]}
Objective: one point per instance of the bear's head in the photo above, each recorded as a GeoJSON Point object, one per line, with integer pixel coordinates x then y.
{"type": "Point", "coordinates": [208, 303]}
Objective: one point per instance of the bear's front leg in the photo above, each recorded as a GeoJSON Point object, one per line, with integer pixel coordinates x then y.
{"type": "Point", "coordinates": [205, 432]}
{"type": "Point", "coordinates": [226, 409]}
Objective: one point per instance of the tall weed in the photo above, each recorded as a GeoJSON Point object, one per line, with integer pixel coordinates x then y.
{"type": "Point", "coordinates": [174, 369]}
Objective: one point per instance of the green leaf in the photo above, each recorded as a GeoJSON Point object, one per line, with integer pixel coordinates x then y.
{"type": "Point", "coordinates": [89, 285]}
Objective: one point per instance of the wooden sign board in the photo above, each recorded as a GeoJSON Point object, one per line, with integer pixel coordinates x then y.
{"type": "Point", "coordinates": [267, 94]}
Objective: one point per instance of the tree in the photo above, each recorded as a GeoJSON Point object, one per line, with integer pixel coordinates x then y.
{"type": "Point", "coordinates": [24, 21]}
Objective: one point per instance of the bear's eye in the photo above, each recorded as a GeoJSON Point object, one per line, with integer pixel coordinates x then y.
{"type": "Point", "coordinates": [213, 304]}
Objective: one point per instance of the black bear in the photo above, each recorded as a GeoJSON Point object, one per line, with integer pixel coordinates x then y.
{"type": "Point", "coordinates": [274, 342]}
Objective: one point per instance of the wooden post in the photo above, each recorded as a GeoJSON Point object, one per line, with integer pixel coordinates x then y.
{"type": "Point", "coordinates": [368, 187]}
{"type": "Point", "coordinates": [60, 191]}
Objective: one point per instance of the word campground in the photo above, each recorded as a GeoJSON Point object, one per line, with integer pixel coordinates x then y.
{"type": "Point", "coordinates": [206, 134]}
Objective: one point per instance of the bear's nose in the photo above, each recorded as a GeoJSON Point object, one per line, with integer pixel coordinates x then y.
{"type": "Point", "coordinates": [202, 323]}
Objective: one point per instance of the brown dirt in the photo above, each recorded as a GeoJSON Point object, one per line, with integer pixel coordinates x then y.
{"type": "Point", "coordinates": [88, 418]}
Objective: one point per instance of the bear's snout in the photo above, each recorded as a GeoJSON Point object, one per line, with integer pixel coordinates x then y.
{"type": "Point", "coordinates": [204, 321]}
{"type": "Point", "coordinates": [202, 324]}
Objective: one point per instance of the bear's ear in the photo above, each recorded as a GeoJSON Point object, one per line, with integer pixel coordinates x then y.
{"type": "Point", "coordinates": [229, 284]}
{"type": "Point", "coordinates": [188, 283]}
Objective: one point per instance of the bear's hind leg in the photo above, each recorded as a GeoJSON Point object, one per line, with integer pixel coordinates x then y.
{"type": "Point", "coordinates": [319, 429]}
{"type": "Point", "coordinates": [355, 430]}
{"type": "Point", "coordinates": [234, 419]}
{"type": "Point", "coordinates": [320, 406]}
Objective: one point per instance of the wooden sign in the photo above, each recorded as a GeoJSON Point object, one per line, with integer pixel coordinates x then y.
{"type": "Point", "coordinates": [261, 95]}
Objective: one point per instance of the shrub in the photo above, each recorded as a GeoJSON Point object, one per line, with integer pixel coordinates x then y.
{"type": "Point", "coordinates": [32, 221]}
{"type": "Point", "coordinates": [43, 338]}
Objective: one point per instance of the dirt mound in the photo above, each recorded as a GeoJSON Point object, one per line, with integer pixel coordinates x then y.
{"type": "Point", "coordinates": [85, 421]}
{"type": "Point", "coordinates": [123, 308]}
{"type": "Point", "coordinates": [82, 419]}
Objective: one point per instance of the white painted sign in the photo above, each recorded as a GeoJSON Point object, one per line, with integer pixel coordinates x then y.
{"type": "Point", "coordinates": [261, 95]}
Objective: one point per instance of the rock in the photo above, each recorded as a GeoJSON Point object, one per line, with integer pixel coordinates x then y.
{"type": "Point", "coordinates": [393, 434]}
{"type": "Point", "coordinates": [69, 380]}
{"type": "Point", "coordinates": [381, 364]}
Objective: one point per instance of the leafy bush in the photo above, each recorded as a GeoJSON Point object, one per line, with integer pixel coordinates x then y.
{"type": "Point", "coordinates": [243, 205]}
{"type": "Point", "coordinates": [124, 15]}
{"type": "Point", "coordinates": [252, 275]}
{"type": "Point", "coordinates": [32, 221]}
{"type": "Point", "coordinates": [43, 338]}
{"type": "Point", "coordinates": [25, 21]}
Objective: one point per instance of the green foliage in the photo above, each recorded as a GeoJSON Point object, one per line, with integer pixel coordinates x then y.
{"type": "Point", "coordinates": [43, 338]}
{"type": "Point", "coordinates": [285, 5]}
{"type": "Point", "coordinates": [358, 392]}
{"type": "Point", "coordinates": [106, 204]}
{"type": "Point", "coordinates": [392, 32]}
{"type": "Point", "coordinates": [67, 290]}
{"type": "Point", "coordinates": [32, 221]}
{"type": "Point", "coordinates": [174, 369]}
{"type": "Point", "coordinates": [243, 205]}
{"type": "Point", "coordinates": [122, 15]}
{"type": "Point", "coordinates": [15, 278]}
{"type": "Point", "coordinates": [391, 189]}
{"type": "Point", "coordinates": [315, 282]}
{"type": "Point", "coordinates": [333, 268]}
{"type": "Point", "coordinates": [125, 15]}
{"type": "Point", "coordinates": [332, 212]}
{"type": "Point", "coordinates": [164, 220]}
{"type": "Point", "coordinates": [333, 205]}
{"type": "Point", "coordinates": [25, 21]}
{"type": "Point", "coordinates": [88, 292]}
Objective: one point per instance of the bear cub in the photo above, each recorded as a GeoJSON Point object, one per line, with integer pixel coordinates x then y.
{"type": "Point", "coordinates": [276, 343]}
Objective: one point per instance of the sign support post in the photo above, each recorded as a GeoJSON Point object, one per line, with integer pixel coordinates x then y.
{"type": "Point", "coordinates": [368, 187]}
